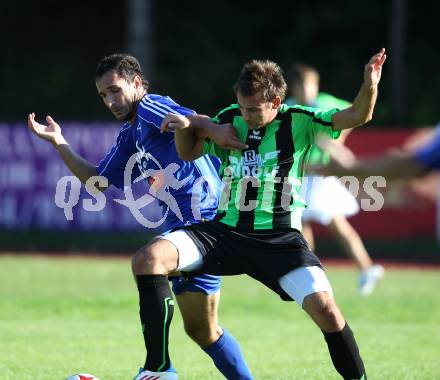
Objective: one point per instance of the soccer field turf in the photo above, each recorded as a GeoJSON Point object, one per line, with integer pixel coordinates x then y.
{"type": "Point", "coordinates": [61, 316]}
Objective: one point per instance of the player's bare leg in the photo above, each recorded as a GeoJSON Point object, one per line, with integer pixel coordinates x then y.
{"type": "Point", "coordinates": [310, 288]}
{"type": "Point", "coordinates": [200, 317]}
{"type": "Point", "coordinates": [199, 313]}
{"type": "Point", "coordinates": [322, 307]}
{"type": "Point", "coordinates": [354, 248]}
{"type": "Point", "coordinates": [350, 241]}
{"type": "Point", "coordinates": [344, 351]}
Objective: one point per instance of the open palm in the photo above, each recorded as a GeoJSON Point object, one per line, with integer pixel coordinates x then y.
{"type": "Point", "coordinates": [50, 132]}
{"type": "Point", "coordinates": [373, 69]}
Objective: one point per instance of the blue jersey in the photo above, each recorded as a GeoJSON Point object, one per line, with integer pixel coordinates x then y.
{"type": "Point", "coordinates": [429, 155]}
{"type": "Point", "coordinates": [187, 191]}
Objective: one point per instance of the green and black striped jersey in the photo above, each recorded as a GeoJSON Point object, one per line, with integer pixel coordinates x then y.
{"type": "Point", "coordinates": [262, 183]}
{"type": "Point", "coordinates": [326, 102]}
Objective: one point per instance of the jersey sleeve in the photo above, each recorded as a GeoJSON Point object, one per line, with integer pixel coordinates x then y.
{"type": "Point", "coordinates": [112, 166]}
{"type": "Point", "coordinates": [320, 122]}
{"type": "Point", "coordinates": [152, 112]}
{"type": "Point", "coordinates": [223, 117]}
{"type": "Point", "coordinates": [429, 155]}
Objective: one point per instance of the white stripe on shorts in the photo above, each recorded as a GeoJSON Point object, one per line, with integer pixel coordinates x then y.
{"type": "Point", "coordinates": [301, 282]}
{"type": "Point", "coordinates": [190, 257]}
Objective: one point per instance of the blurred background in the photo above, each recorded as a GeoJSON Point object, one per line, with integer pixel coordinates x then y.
{"type": "Point", "coordinates": [193, 52]}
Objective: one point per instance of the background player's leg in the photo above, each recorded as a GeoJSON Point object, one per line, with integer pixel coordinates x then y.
{"type": "Point", "coordinates": [354, 248]}
{"type": "Point", "coordinates": [350, 241]}
{"type": "Point", "coordinates": [199, 313]}
{"type": "Point", "coordinates": [308, 235]}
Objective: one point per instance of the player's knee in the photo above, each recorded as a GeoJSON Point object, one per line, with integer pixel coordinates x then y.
{"type": "Point", "coordinates": [331, 318]}
{"type": "Point", "coordinates": [324, 311]}
{"type": "Point", "coordinates": [203, 333]}
{"type": "Point", "coordinates": [148, 260]}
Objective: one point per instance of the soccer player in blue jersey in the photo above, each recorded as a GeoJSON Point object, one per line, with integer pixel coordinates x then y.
{"type": "Point", "coordinates": [123, 88]}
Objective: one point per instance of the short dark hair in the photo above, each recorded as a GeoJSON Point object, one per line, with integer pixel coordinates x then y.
{"type": "Point", "coordinates": [125, 65]}
{"type": "Point", "coordinates": [299, 71]}
{"type": "Point", "coordinates": [261, 76]}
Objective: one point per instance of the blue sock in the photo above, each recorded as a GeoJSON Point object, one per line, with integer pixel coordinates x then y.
{"type": "Point", "coordinates": [227, 357]}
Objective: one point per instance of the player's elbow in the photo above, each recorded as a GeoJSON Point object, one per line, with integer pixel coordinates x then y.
{"type": "Point", "coordinates": [362, 116]}
{"type": "Point", "coordinates": [366, 118]}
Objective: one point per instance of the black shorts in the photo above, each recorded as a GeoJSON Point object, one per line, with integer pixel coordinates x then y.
{"type": "Point", "coordinates": [265, 255]}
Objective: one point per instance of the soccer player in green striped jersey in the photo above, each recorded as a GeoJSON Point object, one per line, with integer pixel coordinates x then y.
{"type": "Point", "coordinates": [263, 146]}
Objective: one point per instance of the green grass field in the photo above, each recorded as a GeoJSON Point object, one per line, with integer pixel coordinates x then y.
{"type": "Point", "coordinates": [62, 316]}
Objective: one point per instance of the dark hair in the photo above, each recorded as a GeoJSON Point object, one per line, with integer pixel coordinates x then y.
{"type": "Point", "coordinates": [299, 71]}
{"type": "Point", "coordinates": [125, 65]}
{"type": "Point", "coordinates": [261, 76]}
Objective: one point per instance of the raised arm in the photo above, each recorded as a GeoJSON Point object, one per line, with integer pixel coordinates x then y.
{"type": "Point", "coordinates": [361, 111]}
{"type": "Point", "coordinates": [191, 131]}
{"type": "Point", "coordinates": [52, 133]}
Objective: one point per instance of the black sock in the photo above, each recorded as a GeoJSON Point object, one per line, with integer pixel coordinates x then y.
{"type": "Point", "coordinates": [345, 354]}
{"type": "Point", "coordinates": [156, 307]}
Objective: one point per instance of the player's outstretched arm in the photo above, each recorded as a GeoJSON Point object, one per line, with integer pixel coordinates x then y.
{"type": "Point", "coordinates": [192, 130]}
{"type": "Point", "coordinates": [391, 166]}
{"type": "Point", "coordinates": [361, 111]}
{"type": "Point", "coordinates": [52, 133]}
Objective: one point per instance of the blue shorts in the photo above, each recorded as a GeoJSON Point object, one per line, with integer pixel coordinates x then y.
{"type": "Point", "coordinates": [204, 283]}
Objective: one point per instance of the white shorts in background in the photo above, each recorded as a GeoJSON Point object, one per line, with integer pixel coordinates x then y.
{"type": "Point", "coordinates": [301, 282]}
{"type": "Point", "coordinates": [326, 197]}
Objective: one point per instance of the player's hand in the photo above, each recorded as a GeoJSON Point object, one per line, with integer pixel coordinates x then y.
{"type": "Point", "coordinates": [171, 122]}
{"type": "Point", "coordinates": [373, 69]}
{"type": "Point", "coordinates": [225, 136]}
{"type": "Point", "coordinates": [50, 132]}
